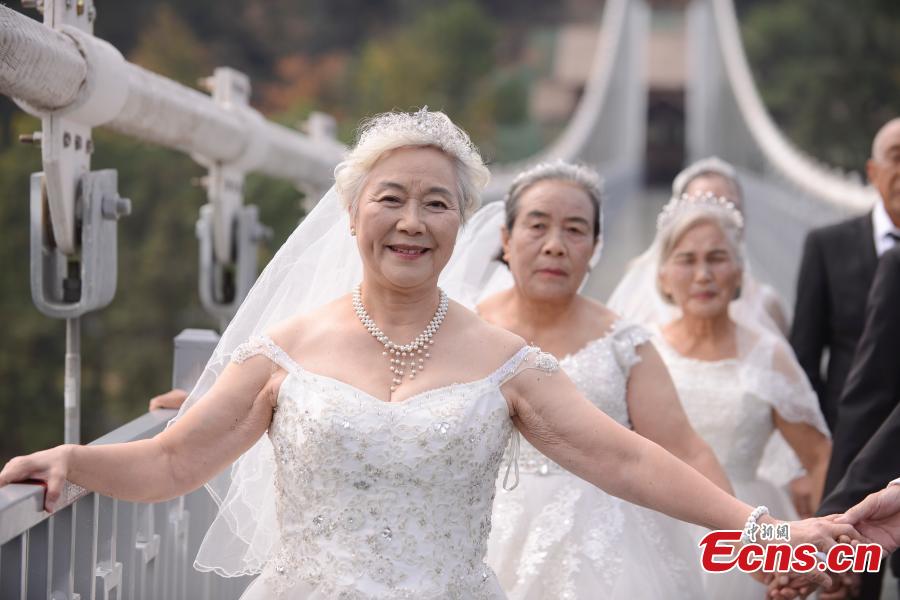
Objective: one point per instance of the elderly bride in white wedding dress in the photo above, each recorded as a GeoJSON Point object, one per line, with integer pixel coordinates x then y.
{"type": "Point", "coordinates": [364, 425]}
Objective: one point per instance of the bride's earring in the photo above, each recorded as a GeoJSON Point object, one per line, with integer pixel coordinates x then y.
{"type": "Point", "coordinates": [352, 230]}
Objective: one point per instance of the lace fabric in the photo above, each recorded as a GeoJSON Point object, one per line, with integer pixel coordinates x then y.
{"type": "Point", "coordinates": [730, 402]}
{"type": "Point", "coordinates": [556, 536]}
{"type": "Point", "coordinates": [600, 371]}
{"type": "Point", "coordinates": [383, 500]}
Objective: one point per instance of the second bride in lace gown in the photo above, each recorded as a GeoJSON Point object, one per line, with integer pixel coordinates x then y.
{"type": "Point", "coordinates": [738, 381]}
{"type": "Point", "coordinates": [554, 535]}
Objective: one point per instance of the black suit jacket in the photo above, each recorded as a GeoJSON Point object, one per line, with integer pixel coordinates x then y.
{"type": "Point", "coordinates": [872, 390]}
{"type": "Point", "coordinates": [835, 275]}
{"type": "Point", "coordinates": [866, 446]}
{"type": "Point", "coordinates": [876, 464]}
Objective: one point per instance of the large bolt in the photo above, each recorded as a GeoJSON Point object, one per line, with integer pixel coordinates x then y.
{"type": "Point", "coordinates": [115, 207]}
{"type": "Point", "coordinates": [38, 5]}
{"type": "Point", "coordinates": [31, 138]}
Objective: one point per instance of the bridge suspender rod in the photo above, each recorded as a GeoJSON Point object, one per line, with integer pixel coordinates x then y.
{"type": "Point", "coordinates": [72, 383]}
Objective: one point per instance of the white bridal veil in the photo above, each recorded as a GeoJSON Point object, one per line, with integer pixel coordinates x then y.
{"type": "Point", "coordinates": [318, 263]}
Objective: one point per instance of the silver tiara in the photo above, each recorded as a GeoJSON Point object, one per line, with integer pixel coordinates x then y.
{"type": "Point", "coordinates": [708, 200]}
{"type": "Point", "coordinates": [426, 126]}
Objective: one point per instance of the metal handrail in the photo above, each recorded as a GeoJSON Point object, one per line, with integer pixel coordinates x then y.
{"type": "Point", "coordinates": [93, 546]}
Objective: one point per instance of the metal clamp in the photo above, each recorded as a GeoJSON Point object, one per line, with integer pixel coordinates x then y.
{"type": "Point", "coordinates": [149, 549]}
{"type": "Point", "coordinates": [65, 286]}
{"type": "Point", "coordinates": [109, 577]}
{"type": "Point", "coordinates": [224, 285]}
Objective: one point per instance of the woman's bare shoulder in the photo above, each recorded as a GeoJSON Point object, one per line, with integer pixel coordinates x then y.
{"type": "Point", "coordinates": [491, 308]}
{"type": "Point", "coordinates": [597, 319]}
{"type": "Point", "coordinates": [301, 329]}
{"type": "Point", "coordinates": [484, 337]}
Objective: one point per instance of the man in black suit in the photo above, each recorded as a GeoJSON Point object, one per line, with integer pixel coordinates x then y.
{"type": "Point", "coordinates": [836, 272]}
{"type": "Point", "coordinates": [866, 442]}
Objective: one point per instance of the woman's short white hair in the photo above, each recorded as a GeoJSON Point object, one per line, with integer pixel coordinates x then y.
{"type": "Point", "coordinates": [559, 170]}
{"type": "Point", "coordinates": [688, 218]}
{"type": "Point", "coordinates": [712, 165]}
{"type": "Point", "coordinates": [392, 130]}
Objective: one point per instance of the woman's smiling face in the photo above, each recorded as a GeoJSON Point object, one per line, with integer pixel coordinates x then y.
{"type": "Point", "coordinates": [407, 217]}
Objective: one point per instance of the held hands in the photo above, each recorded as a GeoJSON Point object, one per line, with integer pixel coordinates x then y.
{"type": "Point", "coordinates": [788, 586]}
{"type": "Point", "coordinates": [823, 533]}
{"type": "Point", "coordinates": [50, 467]}
{"type": "Point", "coordinates": [877, 517]}
{"type": "Point", "coordinates": [798, 585]}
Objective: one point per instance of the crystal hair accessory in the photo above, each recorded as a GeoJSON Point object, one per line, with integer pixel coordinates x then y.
{"type": "Point", "coordinates": [426, 125]}
{"type": "Point", "coordinates": [685, 202]}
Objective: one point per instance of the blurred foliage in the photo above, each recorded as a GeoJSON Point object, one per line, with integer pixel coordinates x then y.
{"type": "Point", "coordinates": [829, 72]}
{"type": "Point", "coordinates": [441, 60]}
{"type": "Point", "coordinates": [301, 56]}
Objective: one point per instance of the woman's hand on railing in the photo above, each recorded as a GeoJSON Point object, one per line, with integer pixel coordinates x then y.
{"type": "Point", "coordinates": [172, 399]}
{"type": "Point", "coordinates": [47, 467]}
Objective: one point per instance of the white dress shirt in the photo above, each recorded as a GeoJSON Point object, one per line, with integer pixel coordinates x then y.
{"type": "Point", "coordinates": [882, 226]}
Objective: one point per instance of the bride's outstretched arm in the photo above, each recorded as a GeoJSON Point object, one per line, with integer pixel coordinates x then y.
{"type": "Point", "coordinates": [656, 413]}
{"type": "Point", "coordinates": [220, 427]}
{"type": "Point", "coordinates": [551, 413]}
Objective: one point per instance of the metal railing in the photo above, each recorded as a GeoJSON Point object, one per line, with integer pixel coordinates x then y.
{"type": "Point", "coordinates": [96, 547]}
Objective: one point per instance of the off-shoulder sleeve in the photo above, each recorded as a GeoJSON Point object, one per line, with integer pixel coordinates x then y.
{"type": "Point", "coordinates": [773, 375]}
{"type": "Point", "coordinates": [776, 377]}
{"type": "Point", "coordinates": [625, 338]}
{"type": "Point", "coordinates": [529, 357]}
{"type": "Point", "coordinates": [262, 344]}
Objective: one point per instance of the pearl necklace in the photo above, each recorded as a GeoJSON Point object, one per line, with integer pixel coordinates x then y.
{"type": "Point", "coordinates": [403, 356]}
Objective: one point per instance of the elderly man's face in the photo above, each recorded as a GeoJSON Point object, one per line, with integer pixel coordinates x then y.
{"type": "Point", "coordinates": [883, 170]}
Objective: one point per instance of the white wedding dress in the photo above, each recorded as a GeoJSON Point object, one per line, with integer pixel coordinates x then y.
{"type": "Point", "coordinates": [383, 500]}
{"type": "Point", "coordinates": [557, 536]}
{"type": "Point", "coordinates": [730, 404]}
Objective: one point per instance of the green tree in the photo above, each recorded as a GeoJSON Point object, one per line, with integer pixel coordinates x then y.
{"type": "Point", "coordinates": [829, 72]}
{"type": "Point", "coordinates": [439, 59]}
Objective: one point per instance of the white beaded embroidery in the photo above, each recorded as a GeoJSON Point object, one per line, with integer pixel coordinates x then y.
{"type": "Point", "coordinates": [384, 500]}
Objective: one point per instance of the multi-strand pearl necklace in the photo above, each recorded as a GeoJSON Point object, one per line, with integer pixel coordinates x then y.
{"type": "Point", "coordinates": [410, 356]}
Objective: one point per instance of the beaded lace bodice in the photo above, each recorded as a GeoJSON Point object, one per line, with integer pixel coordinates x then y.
{"type": "Point", "coordinates": [385, 500]}
{"type": "Point", "coordinates": [730, 402]}
{"type": "Point", "coordinates": [600, 371]}
{"type": "Point", "coordinates": [732, 420]}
